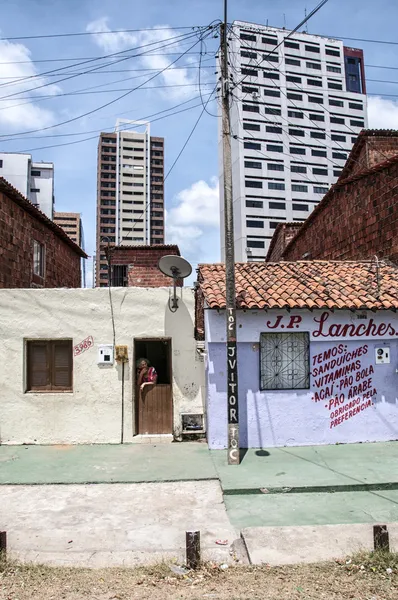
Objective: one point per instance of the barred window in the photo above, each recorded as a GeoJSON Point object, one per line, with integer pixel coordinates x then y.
{"type": "Point", "coordinates": [284, 361]}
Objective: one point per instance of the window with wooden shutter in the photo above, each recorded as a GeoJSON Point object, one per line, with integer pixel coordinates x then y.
{"type": "Point", "coordinates": [49, 365]}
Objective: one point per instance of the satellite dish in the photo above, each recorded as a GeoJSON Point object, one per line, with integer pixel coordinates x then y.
{"type": "Point", "coordinates": [177, 268]}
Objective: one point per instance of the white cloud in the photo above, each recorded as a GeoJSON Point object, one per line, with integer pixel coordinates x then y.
{"type": "Point", "coordinates": [174, 75]}
{"type": "Point", "coordinates": [193, 221]}
{"type": "Point", "coordinates": [382, 113]}
{"type": "Point", "coordinates": [21, 113]}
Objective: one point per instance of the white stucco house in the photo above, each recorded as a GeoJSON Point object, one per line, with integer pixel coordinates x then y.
{"type": "Point", "coordinates": [63, 379]}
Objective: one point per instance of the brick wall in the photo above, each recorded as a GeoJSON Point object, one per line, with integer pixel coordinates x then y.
{"type": "Point", "coordinates": [18, 229]}
{"type": "Point", "coordinates": [371, 148]}
{"type": "Point", "coordinates": [355, 221]}
{"type": "Point", "coordinates": [282, 236]}
{"type": "Point", "coordinates": [142, 261]}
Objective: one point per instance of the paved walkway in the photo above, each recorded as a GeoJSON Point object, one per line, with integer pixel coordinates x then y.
{"type": "Point", "coordinates": [285, 488]}
{"type": "Point", "coordinates": [105, 463]}
{"type": "Point", "coordinates": [317, 485]}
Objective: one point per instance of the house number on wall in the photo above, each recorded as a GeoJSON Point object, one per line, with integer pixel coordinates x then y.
{"type": "Point", "coordinates": [83, 346]}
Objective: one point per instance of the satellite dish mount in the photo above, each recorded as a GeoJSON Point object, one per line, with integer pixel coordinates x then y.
{"type": "Point", "coordinates": [178, 268]}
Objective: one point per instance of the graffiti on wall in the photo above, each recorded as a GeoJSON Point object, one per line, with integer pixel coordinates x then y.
{"type": "Point", "coordinates": [342, 380]}
{"type": "Point", "coordinates": [324, 329]}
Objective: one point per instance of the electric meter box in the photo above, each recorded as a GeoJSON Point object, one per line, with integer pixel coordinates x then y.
{"type": "Point", "coordinates": [105, 354]}
{"type": "Point", "coordinates": [382, 355]}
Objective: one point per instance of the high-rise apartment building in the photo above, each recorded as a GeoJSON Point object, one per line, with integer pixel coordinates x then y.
{"type": "Point", "coordinates": [72, 224]}
{"type": "Point", "coordinates": [130, 190]}
{"type": "Point", "coordinates": [34, 180]}
{"type": "Point", "coordinates": [297, 107]}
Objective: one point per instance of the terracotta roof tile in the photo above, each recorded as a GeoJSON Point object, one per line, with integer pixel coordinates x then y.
{"type": "Point", "coordinates": [304, 284]}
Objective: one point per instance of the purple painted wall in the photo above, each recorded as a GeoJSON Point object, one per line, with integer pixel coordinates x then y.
{"type": "Point", "coordinates": [335, 408]}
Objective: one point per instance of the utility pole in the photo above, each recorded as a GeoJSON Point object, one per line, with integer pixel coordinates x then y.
{"type": "Point", "coordinates": [232, 361]}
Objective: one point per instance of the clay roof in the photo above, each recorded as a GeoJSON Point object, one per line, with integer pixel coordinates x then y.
{"type": "Point", "coordinates": [304, 284]}
{"type": "Point", "coordinates": [11, 192]}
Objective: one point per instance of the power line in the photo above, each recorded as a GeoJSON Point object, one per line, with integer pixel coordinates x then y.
{"type": "Point", "coordinates": [113, 91]}
{"type": "Point", "coordinates": [119, 70]}
{"type": "Point", "coordinates": [311, 14]}
{"type": "Point", "coordinates": [125, 94]}
{"type": "Point", "coordinates": [82, 33]}
{"type": "Point", "coordinates": [47, 60]}
{"type": "Point", "coordinates": [126, 128]}
{"type": "Point", "coordinates": [47, 73]}
{"type": "Point", "coordinates": [199, 80]}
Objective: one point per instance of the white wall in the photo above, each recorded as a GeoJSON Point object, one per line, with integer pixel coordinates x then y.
{"type": "Point", "coordinates": [92, 412]}
{"type": "Point", "coordinates": [15, 170]}
{"type": "Point", "coordinates": [266, 215]}
{"type": "Point", "coordinates": [44, 183]}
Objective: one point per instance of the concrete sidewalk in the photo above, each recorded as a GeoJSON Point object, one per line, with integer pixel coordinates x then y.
{"type": "Point", "coordinates": [105, 463]}
{"type": "Point", "coordinates": [159, 491]}
{"type": "Point", "coordinates": [317, 485]}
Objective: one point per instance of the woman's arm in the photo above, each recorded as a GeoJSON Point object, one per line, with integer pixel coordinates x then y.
{"type": "Point", "coordinates": [141, 377]}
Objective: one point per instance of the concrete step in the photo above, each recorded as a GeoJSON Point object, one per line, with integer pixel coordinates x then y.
{"type": "Point", "coordinates": [310, 544]}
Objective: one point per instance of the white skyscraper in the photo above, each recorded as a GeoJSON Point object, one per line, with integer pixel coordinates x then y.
{"type": "Point", "coordinates": [34, 180]}
{"type": "Point", "coordinates": [130, 190]}
{"type": "Point", "coordinates": [297, 108]}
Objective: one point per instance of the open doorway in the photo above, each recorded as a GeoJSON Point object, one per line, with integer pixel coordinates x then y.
{"type": "Point", "coordinates": [154, 406]}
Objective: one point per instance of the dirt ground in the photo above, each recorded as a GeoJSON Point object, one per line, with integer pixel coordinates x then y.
{"type": "Point", "coordinates": [362, 577]}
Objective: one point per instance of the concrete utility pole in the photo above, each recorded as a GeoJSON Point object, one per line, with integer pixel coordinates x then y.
{"type": "Point", "coordinates": [232, 362]}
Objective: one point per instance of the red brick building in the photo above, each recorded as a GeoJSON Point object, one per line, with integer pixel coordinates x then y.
{"type": "Point", "coordinates": [358, 218]}
{"type": "Point", "coordinates": [34, 251]}
{"type": "Point", "coordinates": [137, 266]}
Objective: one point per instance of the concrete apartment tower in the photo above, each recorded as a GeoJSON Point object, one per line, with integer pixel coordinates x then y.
{"type": "Point", "coordinates": [130, 190]}
{"type": "Point", "coordinates": [34, 180]}
{"type": "Point", "coordinates": [296, 112]}
{"type": "Point", "coordinates": [72, 224]}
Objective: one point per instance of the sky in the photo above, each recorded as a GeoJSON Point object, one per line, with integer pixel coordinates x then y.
{"type": "Point", "coordinates": [191, 189]}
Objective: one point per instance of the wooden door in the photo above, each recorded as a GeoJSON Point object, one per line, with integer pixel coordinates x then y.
{"type": "Point", "coordinates": [154, 404]}
{"type": "Point", "coordinates": [154, 410]}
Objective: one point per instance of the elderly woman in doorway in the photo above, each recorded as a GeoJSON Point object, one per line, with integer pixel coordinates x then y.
{"type": "Point", "coordinates": [146, 375]}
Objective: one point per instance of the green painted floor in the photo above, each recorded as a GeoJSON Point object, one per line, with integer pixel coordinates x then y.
{"type": "Point", "coordinates": [312, 509]}
{"type": "Point", "coordinates": [353, 483]}
{"type": "Point", "coordinates": [98, 463]}
{"type": "Point", "coordinates": [309, 466]}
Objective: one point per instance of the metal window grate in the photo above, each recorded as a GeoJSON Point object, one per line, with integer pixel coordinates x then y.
{"type": "Point", "coordinates": [284, 361]}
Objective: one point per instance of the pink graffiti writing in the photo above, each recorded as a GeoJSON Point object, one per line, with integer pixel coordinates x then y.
{"type": "Point", "coordinates": [83, 346]}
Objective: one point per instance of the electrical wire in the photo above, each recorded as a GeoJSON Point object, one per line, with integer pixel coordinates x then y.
{"type": "Point", "coordinates": [82, 33]}
{"type": "Point", "coordinates": [95, 136]}
{"type": "Point", "coordinates": [310, 14]}
{"type": "Point", "coordinates": [113, 91]}
{"type": "Point", "coordinates": [199, 80]}
{"type": "Point", "coordinates": [124, 95]}
{"type": "Point", "coordinates": [46, 60]}
{"type": "Point", "coordinates": [315, 124]}
{"type": "Point", "coordinates": [173, 41]}
{"type": "Point", "coordinates": [148, 69]}
{"type": "Point", "coordinates": [118, 114]}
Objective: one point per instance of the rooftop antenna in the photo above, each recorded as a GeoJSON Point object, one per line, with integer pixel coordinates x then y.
{"type": "Point", "coordinates": [177, 268]}
{"type": "Point", "coordinates": [284, 21]}
{"type": "Point", "coordinates": [306, 24]}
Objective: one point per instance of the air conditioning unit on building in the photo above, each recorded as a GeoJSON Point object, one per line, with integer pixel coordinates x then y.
{"type": "Point", "coordinates": [255, 95]}
{"type": "Point", "coordinates": [249, 250]}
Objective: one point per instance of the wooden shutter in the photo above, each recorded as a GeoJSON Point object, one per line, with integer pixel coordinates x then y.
{"type": "Point", "coordinates": [61, 365]}
{"type": "Point", "coordinates": [39, 366]}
